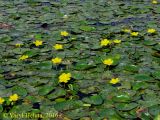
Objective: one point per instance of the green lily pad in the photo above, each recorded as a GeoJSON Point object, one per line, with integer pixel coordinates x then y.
{"type": "Point", "coordinates": [60, 100]}
{"type": "Point", "coordinates": [5, 38]}
{"type": "Point", "coordinates": [149, 42]}
{"type": "Point", "coordinates": [157, 117]}
{"type": "Point", "coordinates": [156, 75]}
{"type": "Point", "coordinates": [157, 47]}
{"type": "Point", "coordinates": [110, 113]}
{"type": "Point", "coordinates": [38, 37]}
{"type": "Point", "coordinates": [33, 99]}
{"type": "Point", "coordinates": [57, 93]}
{"type": "Point", "coordinates": [122, 98]}
{"type": "Point", "coordinates": [149, 103]}
{"type": "Point", "coordinates": [140, 85]}
{"type": "Point", "coordinates": [131, 68]}
{"type": "Point", "coordinates": [46, 65]}
{"type": "Point", "coordinates": [154, 110]}
{"type": "Point", "coordinates": [77, 113]}
{"type": "Point", "coordinates": [125, 106]}
{"type": "Point", "coordinates": [77, 75]}
{"type": "Point", "coordinates": [31, 53]}
{"type": "Point", "coordinates": [87, 28]}
{"type": "Point", "coordinates": [143, 77]}
{"type": "Point", "coordinates": [95, 99]}
{"type": "Point", "coordinates": [83, 65]}
{"type": "Point", "coordinates": [1, 108]}
{"type": "Point", "coordinates": [21, 108]}
{"type": "Point", "coordinates": [20, 91]}
{"type": "Point", "coordinates": [67, 105]}
{"type": "Point", "coordinates": [44, 90]}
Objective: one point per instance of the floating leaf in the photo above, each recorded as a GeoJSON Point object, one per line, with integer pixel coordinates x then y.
{"type": "Point", "coordinates": [150, 42]}
{"type": "Point", "coordinates": [149, 103]}
{"type": "Point", "coordinates": [5, 38]}
{"type": "Point", "coordinates": [69, 104]}
{"type": "Point", "coordinates": [83, 66]}
{"type": "Point", "coordinates": [77, 113]}
{"type": "Point", "coordinates": [143, 77]}
{"type": "Point", "coordinates": [122, 98]}
{"type": "Point", "coordinates": [1, 108]}
{"type": "Point", "coordinates": [95, 99]}
{"type": "Point", "coordinates": [21, 108]}
{"type": "Point", "coordinates": [57, 93]}
{"type": "Point", "coordinates": [140, 85]}
{"type": "Point", "coordinates": [126, 106]}
{"type": "Point", "coordinates": [44, 90]}
{"type": "Point", "coordinates": [87, 28]}
{"type": "Point", "coordinates": [20, 90]}
{"type": "Point", "coordinates": [31, 53]}
{"type": "Point", "coordinates": [157, 47]}
{"type": "Point", "coordinates": [46, 65]}
{"type": "Point", "coordinates": [38, 37]}
{"type": "Point", "coordinates": [154, 110]}
{"type": "Point", "coordinates": [60, 100]}
{"type": "Point", "coordinates": [157, 117]}
{"type": "Point", "coordinates": [131, 68]}
{"type": "Point", "coordinates": [156, 75]}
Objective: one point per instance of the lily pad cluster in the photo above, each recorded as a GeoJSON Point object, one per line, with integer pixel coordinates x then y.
{"type": "Point", "coordinates": [82, 59]}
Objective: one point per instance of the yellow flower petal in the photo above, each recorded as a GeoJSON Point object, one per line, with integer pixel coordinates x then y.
{"type": "Point", "coordinates": [108, 61]}
{"type": "Point", "coordinates": [57, 60]}
{"type": "Point", "coordinates": [1, 100]}
{"type": "Point", "coordinates": [14, 97]}
{"type": "Point", "coordinates": [154, 2]}
{"type": "Point", "coordinates": [38, 42]}
{"type": "Point", "coordinates": [64, 77]}
{"type": "Point", "coordinates": [23, 57]}
{"type": "Point", "coordinates": [117, 41]}
{"type": "Point", "coordinates": [105, 42]}
{"type": "Point", "coordinates": [18, 44]}
{"type": "Point", "coordinates": [58, 46]}
{"type": "Point", "coordinates": [114, 80]}
{"type": "Point", "coordinates": [151, 30]}
{"type": "Point", "coordinates": [134, 33]}
{"type": "Point", "coordinates": [127, 30]}
{"type": "Point", "coordinates": [64, 33]}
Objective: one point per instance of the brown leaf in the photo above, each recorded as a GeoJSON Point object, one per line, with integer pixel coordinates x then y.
{"type": "Point", "coordinates": [140, 111]}
{"type": "Point", "coordinates": [5, 26]}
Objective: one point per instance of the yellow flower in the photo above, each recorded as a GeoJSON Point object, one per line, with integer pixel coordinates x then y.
{"type": "Point", "coordinates": [134, 33]}
{"type": "Point", "coordinates": [108, 61]}
{"type": "Point", "coordinates": [18, 44]}
{"type": "Point", "coordinates": [64, 33]}
{"type": "Point", "coordinates": [56, 60]}
{"type": "Point", "coordinates": [58, 46]}
{"type": "Point", "coordinates": [23, 57]}
{"type": "Point", "coordinates": [105, 42]}
{"type": "Point", "coordinates": [13, 97]}
{"type": "Point", "coordinates": [114, 80]}
{"type": "Point", "coordinates": [117, 41]}
{"type": "Point", "coordinates": [154, 2]}
{"type": "Point", "coordinates": [151, 30]}
{"type": "Point", "coordinates": [1, 100]}
{"type": "Point", "coordinates": [127, 30]}
{"type": "Point", "coordinates": [64, 77]}
{"type": "Point", "coordinates": [38, 42]}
